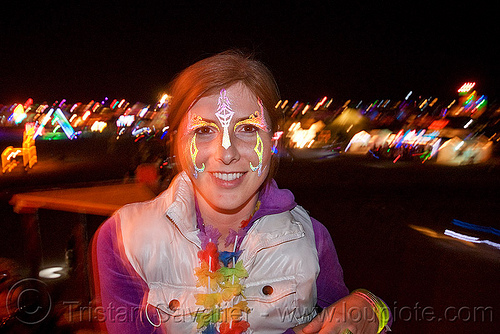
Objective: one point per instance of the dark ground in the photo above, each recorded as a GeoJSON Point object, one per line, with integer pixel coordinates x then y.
{"type": "Point", "coordinates": [387, 222]}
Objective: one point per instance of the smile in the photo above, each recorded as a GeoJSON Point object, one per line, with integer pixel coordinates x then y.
{"type": "Point", "coordinates": [228, 176]}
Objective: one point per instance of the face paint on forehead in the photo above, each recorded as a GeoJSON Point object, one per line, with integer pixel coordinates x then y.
{"type": "Point", "coordinates": [224, 114]}
{"type": "Point", "coordinates": [257, 119]}
{"type": "Point", "coordinates": [196, 122]}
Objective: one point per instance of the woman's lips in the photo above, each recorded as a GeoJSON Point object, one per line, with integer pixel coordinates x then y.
{"type": "Point", "coordinates": [227, 176]}
{"type": "Point", "coordinates": [228, 180]}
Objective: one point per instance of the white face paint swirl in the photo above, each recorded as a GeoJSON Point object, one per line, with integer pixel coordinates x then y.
{"type": "Point", "coordinates": [224, 114]}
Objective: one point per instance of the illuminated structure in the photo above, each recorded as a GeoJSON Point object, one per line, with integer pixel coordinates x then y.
{"type": "Point", "coordinates": [18, 115]}
{"type": "Point", "coordinates": [470, 103]}
{"type": "Point", "coordinates": [28, 152]}
{"type": "Point", "coordinates": [59, 118]}
{"type": "Point", "coordinates": [63, 122]}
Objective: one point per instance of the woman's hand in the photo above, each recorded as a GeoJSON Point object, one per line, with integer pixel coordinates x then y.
{"type": "Point", "coordinates": [351, 312]}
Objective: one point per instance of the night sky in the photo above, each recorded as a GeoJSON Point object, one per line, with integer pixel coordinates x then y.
{"type": "Point", "coordinates": [346, 50]}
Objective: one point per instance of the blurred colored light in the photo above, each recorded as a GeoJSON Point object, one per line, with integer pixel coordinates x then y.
{"type": "Point", "coordinates": [459, 145]}
{"type": "Point", "coordinates": [46, 118]}
{"type": "Point", "coordinates": [466, 87]}
{"type": "Point", "coordinates": [50, 272]}
{"type": "Point", "coordinates": [320, 103]}
{"type": "Point", "coordinates": [86, 115]}
{"type": "Point", "coordinates": [74, 107]}
{"type": "Point", "coordinates": [98, 126]}
{"type": "Point", "coordinates": [469, 238]}
{"type": "Point", "coordinates": [305, 109]}
{"type": "Point", "coordinates": [28, 103]}
{"type": "Point", "coordinates": [63, 122]}
{"type": "Point", "coordinates": [164, 99]}
{"type": "Point", "coordinates": [474, 227]}
{"type": "Point", "coordinates": [143, 111]}
{"type": "Point", "coordinates": [125, 120]}
{"type": "Point", "coordinates": [277, 135]}
{"type": "Point", "coordinates": [19, 115]}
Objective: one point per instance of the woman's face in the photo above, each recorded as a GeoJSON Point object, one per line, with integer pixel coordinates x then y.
{"type": "Point", "coordinates": [225, 147]}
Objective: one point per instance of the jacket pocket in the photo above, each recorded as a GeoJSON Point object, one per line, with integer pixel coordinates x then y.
{"type": "Point", "coordinates": [174, 301]}
{"type": "Point", "coordinates": [273, 304]}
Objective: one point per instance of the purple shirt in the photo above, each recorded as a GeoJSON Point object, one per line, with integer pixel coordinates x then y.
{"type": "Point", "coordinates": [123, 290]}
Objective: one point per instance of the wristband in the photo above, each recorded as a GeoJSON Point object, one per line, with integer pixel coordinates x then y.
{"type": "Point", "coordinates": [377, 305]}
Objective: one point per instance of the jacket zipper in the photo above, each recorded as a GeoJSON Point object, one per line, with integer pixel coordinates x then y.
{"type": "Point", "coordinates": [180, 231]}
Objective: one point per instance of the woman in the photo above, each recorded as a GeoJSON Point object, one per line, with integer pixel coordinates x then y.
{"type": "Point", "coordinates": [223, 249]}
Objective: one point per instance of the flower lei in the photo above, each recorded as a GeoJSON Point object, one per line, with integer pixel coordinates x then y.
{"type": "Point", "coordinates": [220, 273]}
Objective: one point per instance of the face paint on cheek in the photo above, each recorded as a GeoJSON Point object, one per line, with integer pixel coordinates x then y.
{"type": "Point", "coordinates": [193, 150]}
{"type": "Point", "coordinates": [195, 123]}
{"type": "Point", "coordinates": [259, 149]}
{"type": "Point", "coordinates": [224, 114]}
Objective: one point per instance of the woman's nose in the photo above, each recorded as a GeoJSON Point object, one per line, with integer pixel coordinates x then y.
{"type": "Point", "coordinates": [227, 155]}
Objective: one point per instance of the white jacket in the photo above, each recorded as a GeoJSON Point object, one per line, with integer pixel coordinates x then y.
{"type": "Point", "coordinates": [160, 240]}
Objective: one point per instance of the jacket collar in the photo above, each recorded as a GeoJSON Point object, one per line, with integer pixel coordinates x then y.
{"type": "Point", "coordinates": [182, 208]}
{"type": "Point", "coordinates": [274, 200]}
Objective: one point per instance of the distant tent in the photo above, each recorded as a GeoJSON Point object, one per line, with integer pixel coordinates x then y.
{"type": "Point", "coordinates": [459, 152]}
{"type": "Point", "coordinates": [359, 143]}
{"type": "Point", "coordinates": [479, 149]}
{"type": "Point", "coordinates": [379, 137]}
{"type": "Point", "coordinates": [450, 153]}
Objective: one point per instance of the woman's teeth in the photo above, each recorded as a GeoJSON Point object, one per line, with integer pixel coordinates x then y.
{"type": "Point", "coordinates": [228, 176]}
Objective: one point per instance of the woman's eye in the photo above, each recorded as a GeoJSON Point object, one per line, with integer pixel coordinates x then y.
{"type": "Point", "coordinates": [248, 128]}
{"type": "Point", "coordinates": [204, 130]}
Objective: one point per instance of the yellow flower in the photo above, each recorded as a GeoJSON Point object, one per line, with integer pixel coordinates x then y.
{"type": "Point", "coordinates": [208, 300]}
{"type": "Point", "coordinates": [202, 273]}
{"type": "Point", "coordinates": [235, 313]}
{"type": "Point", "coordinates": [230, 290]}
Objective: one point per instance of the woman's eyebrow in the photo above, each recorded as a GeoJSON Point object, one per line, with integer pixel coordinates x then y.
{"type": "Point", "coordinates": [197, 121]}
{"type": "Point", "coordinates": [242, 118]}
{"type": "Point", "coordinates": [208, 120]}
{"type": "Point", "coordinates": [253, 119]}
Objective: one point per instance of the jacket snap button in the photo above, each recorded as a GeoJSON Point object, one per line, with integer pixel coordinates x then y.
{"type": "Point", "coordinates": [174, 304]}
{"type": "Point", "coordinates": [267, 290]}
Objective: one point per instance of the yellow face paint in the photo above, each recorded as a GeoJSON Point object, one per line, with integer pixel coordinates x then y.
{"type": "Point", "coordinates": [259, 149]}
{"type": "Point", "coordinates": [193, 150]}
{"type": "Point", "coordinates": [256, 119]}
{"type": "Point", "coordinates": [197, 122]}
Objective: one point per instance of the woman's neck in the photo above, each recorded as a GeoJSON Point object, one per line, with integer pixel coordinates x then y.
{"type": "Point", "coordinates": [225, 220]}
